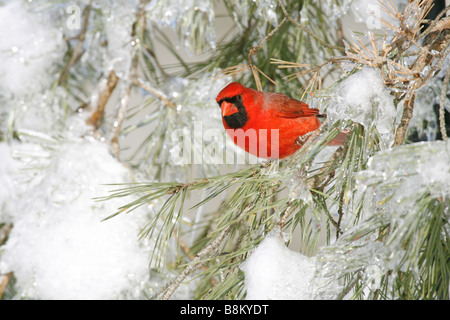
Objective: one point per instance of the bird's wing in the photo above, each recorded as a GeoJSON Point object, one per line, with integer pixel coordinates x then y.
{"type": "Point", "coordinates": [286, 107]}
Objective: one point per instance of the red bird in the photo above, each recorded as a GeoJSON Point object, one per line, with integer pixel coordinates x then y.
{"type": "Point", "coordinates": [265, 124]}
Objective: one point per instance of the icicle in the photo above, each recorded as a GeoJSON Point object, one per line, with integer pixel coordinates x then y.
{"type": "Point", "coordinates": [193, 21]}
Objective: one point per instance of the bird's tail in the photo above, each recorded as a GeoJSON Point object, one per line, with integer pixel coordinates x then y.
{"type": "Point", "coordinates": [339, 139]}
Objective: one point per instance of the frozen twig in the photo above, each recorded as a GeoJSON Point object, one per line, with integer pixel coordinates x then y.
{"type": "Point", "coordinates": [442, 106]}
{"type": "Point", "coordinates": [96, 118]}
{"type": "Point", "coordinates": [4, 232]}
{"type": "Point", "coordinates": [194, 264]}
{"type": "Point", "coordinates": [4, 280]}
{"type": "Point", "coordinates": [302, 139]}
{"type": "Point", "coordinates": [154, 92]}
{"type": "Point", "coordinates": [408, 107]}
{"type": "Point", "coordinates": [78, 51]}
{"type": "Point", "coordinates": [137, 33]}
{"type": "Point", "coordinates": [327, 169]}
{"type": "Point", "coordinates": [312, 136]}
{"type": "Point", "coordinates": [437, 24]}
{"type": "Point", "coordinates": [286, 215]}
{"type": "Point", "coordinates": [319, 180]}
{"type": "Point", "coordinates": [254, 50]}
{"type": "Point", "coordinates": [439, 43]}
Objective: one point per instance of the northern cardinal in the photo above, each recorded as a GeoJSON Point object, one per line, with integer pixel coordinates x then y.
{"type": "Point", "coordinates": [247, 112]}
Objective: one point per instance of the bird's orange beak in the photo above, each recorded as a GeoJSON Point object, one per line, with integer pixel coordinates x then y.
{"type": "Point", "coordinates": [228, 109]}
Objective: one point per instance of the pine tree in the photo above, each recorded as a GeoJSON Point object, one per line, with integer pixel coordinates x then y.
{"type": "Point", "coordinates": [103, 141]}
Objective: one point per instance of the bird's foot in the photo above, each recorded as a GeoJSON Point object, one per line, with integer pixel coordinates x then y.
{"type": "Point", "coordinates": [302, 139]}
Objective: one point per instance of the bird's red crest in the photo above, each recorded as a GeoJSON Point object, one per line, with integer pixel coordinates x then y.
{"type": "Point", "coordinates": [230, 90]}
